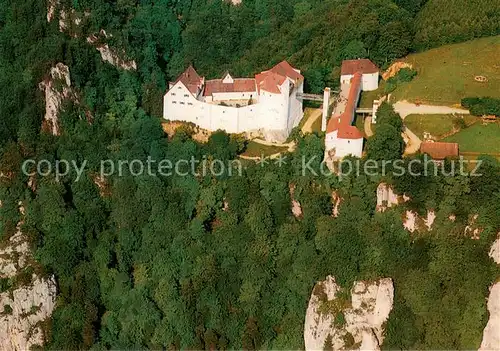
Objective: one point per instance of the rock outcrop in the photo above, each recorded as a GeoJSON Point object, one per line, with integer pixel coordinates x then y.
{"type": "Point", "coordinates": [57, 87]}
{"type": "Point", "coordinates": [394, 69]}
{"type": "Point", "coordinates": [28, 299]}
{"type": "Point", "coordinates": [70, 22]}
{"type": "Point", "coordinates": [334, 322]}
{"type": "Point", "coordinates": [495, 250]}
{"type": "Point", "coordinates": [491, 333]}
{"type": "Point", "coordinates": [387, 198]}
{"type": "Point", "coordinates": [110, 55]}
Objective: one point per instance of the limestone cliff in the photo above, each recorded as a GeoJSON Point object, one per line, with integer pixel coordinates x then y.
{"type": "Point", "coordinates": [26, 299]}
{"type": "Point", "coordinates": [491, 334]}
{"type": "Point", "coordinates": [335, 322]}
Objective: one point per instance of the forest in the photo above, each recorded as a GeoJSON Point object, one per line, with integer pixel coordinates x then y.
{"type": "Point", "coordinates": [220, 262]}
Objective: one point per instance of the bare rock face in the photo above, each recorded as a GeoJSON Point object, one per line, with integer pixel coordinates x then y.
{"type": "Point", "coordinates": [24, 306]}
{"type": "Point", "coordinates": [394, 69]}
{"type": "Point", "coordinates": [57, 88]}
{"type": "Point", "coordinates": [491, 333]}
{"type": "Point", "coordinates": [412, 221]}
{"type": "Point", "coordinates": [70, 21]}
{"type": "Point", "coordinates": [23, 310]}
{"type": "Point", "coordinates": [110, 55]}
{"type": "Point", "coordinates": [334, 322]}
{"type": "Point", "coordinates": [495, 250]}
{"type": "Point", "coordinates": [387, 198]}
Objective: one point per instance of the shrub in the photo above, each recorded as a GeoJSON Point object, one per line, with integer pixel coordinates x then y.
{"type": "Point", "coordinates": [404, 75]}
{"type": "Point", "coordinates": [480, 106]}
{"type": "Point", "coordinates": [459, 123]}
{"type": "Point", "coordinates": [7, 309]}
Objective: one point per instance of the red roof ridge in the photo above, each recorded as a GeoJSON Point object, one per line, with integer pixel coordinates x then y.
{"type": "Point", "coordinates": [439, 150]}
{"type": "Point", "coordinates": [363, 66]}
{"type": "Point", "coordinates": [343, 122]}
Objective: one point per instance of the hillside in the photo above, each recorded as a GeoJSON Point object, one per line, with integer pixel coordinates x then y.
{"type": "Point", "coordinates": [446, 74]}
{"type": "Point", "coordinates": [442, 22]}
{"type": "Point", "coordinates": [207, 255]}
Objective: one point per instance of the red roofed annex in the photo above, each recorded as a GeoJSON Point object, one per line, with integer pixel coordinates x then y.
{"type": "Point", "coordinates": [439, 150]}
{"type": "Point", "coordinates": [342, 138]}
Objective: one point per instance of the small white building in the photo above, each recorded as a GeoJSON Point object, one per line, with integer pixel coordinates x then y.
{"type": "Point", "coordinates": [342, 138]}
{"type": "Point", "coordinates": [267, 103]}
{"type": "Point", "coordinates": [368, 70]}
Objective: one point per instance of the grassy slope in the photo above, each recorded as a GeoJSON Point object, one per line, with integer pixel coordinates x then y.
{"type": "Point", "coordinates": [254, 149]}
{"type": "Point", "coordinates": [446, 74]}
{"type": "Point", "coordinates": [437, 125]}
{"type": "Point", "coordinates": [478, 138]}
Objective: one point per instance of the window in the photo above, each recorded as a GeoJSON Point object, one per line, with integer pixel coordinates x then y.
{"type": "Point", "coordinates": [190, 103]}
{"type": "Point", "coordinates": [179, 87]}
{"type": "Point", "coordinates": [186, 95]}
{"type": "Point", "coordinates": [173, 94]}
{"type": "Point", "coordinates": [174, 102]}
{"type": "Point", "coordinates": [182, 103]}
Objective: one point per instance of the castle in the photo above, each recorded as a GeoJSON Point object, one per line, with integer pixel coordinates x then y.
{"type": "Point", "coordinates": [268, 104]}
{"type": "Point", "coordinates": [342, 138]}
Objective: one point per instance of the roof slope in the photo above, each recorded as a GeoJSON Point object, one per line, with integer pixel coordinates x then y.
{"type": "Point", "coordinates": [439, 150]}
{"type": "Point", "coordinates": [239, 85]}
{"type": "Point", "coordinates": [191, 79]}
{"type": "Point", "coordinates": [343, 122]}
{"type": "Point", "coordinates": [272, 79]}
{"type": "Point", "coordinates": [363, 66]}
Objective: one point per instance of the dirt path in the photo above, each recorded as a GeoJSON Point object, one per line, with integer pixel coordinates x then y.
{"type": "Point", "coordinates": [368, 127]}
{"type": "Point", "coordinates": [405, 108]}
{"type": "Point", "coordinates": [412, 142]}
{"type": "Point", "coordinates": [315, 114]}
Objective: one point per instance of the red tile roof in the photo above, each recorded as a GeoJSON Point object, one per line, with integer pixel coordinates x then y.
{"type": "Point", "coordinates": [240, 85]}
{"type": "Point", "coordinates": [285, 69]}
{"type": "Point", "coordinates": [269, 81]}
{"type": "Point", "coordinates": [363, 66]}
{"type": "Point", "coordinates": [272, 79]}
{"type": "Point", "coordinates": [343, 122]}
{"type": "Point", "coordinates": [191, 80]}
{"type": "Point", "coordinates": [438, 150]}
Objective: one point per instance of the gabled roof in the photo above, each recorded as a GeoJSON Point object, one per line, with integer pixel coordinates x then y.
{"type": "Point", "coordinates": [272, 79]}
{"type": "Point", "coordinates": [269, 81]}
{"type": "Point", "coordinates": [363, 66]}
{"type": "Point", "coordinates": [239, 85]}
{"type": "Point", "coordinates": [191, 80]}
{"type": "Point", "coordinates": [285, 69]}
{"type": "Point", "coordinates": [438, 150]}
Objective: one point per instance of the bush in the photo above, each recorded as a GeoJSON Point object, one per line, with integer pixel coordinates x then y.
{"type": "Point", "coordinates": [480, 106]}
{"type": "Point", "coordinates": [459, 123]}
{"type": "Point", "coordinates": [404, 75]}
{"type": "Point", "coordinates": [7, 309]}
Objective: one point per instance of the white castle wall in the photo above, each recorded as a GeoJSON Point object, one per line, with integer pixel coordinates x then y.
{"type": "Point", "coordinates": [295, 108]}
{"type": "Point", "coordinates": [343, 147]}
{"type": "Point", "coordinates": [276, 114]}
{"type": "Point", "coordinates": [232, 96]}
{"type": "Point", "coordinates": [369, 81]}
